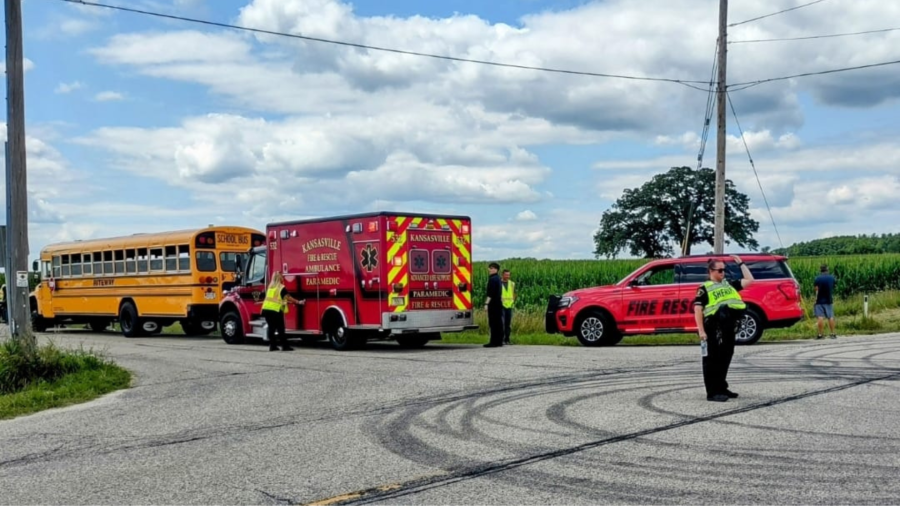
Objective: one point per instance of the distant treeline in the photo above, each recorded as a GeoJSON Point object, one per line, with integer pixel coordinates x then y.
{"type": "Point", "coordinates": [844, 245]}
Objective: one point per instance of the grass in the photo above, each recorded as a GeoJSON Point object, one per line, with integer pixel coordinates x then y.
{"type": "Point", "coordinates": [884, 316]}
{"type": "Point", "coordinates": [51, 378]}
{"type": "Point", "coordinates": [528, 325]}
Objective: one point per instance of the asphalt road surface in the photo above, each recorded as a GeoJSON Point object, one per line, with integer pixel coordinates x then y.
{"type": "Point", "coordinates": [817, 422]}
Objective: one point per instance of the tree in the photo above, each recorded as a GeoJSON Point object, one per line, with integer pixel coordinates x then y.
{"type": "Point", "coordinates": [649, 220]}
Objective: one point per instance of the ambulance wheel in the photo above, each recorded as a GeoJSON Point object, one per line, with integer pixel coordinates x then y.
{"type": "Point", "coordinates": [232, 328]}
{"type": "Point", "coordinates": [596, 328]}
{"type": "Point", "coordinates": [129, 322]}
{"type": "Point", "coordinates": [750, 328]}
{"type": "Point", "coordinates": [342, 339]}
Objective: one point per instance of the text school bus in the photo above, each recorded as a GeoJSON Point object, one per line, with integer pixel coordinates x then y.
{"type": "Point", "coordinates": [144, 282]}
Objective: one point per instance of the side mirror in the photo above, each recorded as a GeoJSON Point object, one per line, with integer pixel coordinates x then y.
{"type": "Point", "coordinates": [34, 266]}
{"type": "Point", "coordinates": [239, 264]}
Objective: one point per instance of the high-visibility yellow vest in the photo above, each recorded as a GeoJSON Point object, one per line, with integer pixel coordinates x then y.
{"type": "Point", "coordinates": [273, 300]}
{"type": "Point", "coordinates": [720, 295]}
{"type": "Point", "coordinates": [506, 296]}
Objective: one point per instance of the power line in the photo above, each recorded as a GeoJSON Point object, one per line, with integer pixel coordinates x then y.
{"type": "Point", "coordinates": [707, 119]}
{"type": "Point", "coordinates": [750, 84]}
{"type": "Point", "coordinates": [776, 13]}
{"type": "Point", "coordinates": [814, 36]}
{"type": "Point", "coordinates": [753, 165]}
{"type": "Point", "coordinates": [687, 83]}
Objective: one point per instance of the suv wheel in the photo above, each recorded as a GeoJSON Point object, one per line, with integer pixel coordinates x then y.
{"type": "Point", "coordinates": [595, 328]}
{"type": "Point", "coordinates": [749, 329]}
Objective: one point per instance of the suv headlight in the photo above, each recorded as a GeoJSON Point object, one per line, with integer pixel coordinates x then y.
{"type": "Point", "coordinates": [566, 301]}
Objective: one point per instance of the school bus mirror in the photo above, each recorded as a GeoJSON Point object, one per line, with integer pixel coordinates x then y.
{"type": "Point", "coordinates": [238, 264]}
{"type": "Point", "coordinates": [34, 266]}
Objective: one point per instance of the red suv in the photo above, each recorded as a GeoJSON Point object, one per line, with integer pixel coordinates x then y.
{"type": "Point", "coordinates": [658, 298]}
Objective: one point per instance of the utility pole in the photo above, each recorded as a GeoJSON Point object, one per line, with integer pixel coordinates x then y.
{"type": "Point", "coordinates": [17, 192]}
{"type": "Point", "coordinates": [719, 228]}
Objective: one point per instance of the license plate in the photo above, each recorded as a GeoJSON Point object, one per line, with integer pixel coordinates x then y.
{"type": "Point", "coordinates": [210, 295]}
{"type": "Point", "coordinates": [397, 301]}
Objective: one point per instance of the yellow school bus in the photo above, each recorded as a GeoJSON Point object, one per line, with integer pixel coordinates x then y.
{"type": "Point", "coordinates": [143, 282]}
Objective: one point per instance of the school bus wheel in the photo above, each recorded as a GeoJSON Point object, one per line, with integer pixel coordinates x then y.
{"type": "Point", "coordinates": [129, 321]}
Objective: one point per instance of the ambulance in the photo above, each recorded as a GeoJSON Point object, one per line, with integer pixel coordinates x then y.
{"type": "Point", "coordinates": [365, 277]}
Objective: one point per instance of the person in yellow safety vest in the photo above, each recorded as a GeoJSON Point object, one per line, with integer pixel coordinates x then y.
{"type": "Point", "coordinates": [273, 309]}
{"type": "Point", "coordinates": [718, 310]}
{"type": "Point", "coordinates": [508, 298]}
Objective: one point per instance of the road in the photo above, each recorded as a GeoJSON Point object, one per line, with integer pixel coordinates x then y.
{"type": "Point", "coordinates": [205, 422]}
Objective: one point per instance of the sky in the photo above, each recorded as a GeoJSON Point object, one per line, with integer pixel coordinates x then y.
{"type": "Point", "coordinates": [138, 124]}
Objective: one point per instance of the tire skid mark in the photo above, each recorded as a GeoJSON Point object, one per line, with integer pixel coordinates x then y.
{"type": "Point", "coordinates": [489, 468]}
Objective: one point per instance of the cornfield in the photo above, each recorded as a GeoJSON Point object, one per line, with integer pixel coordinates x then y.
{"type": "Point", "coordinates": [536, 280]}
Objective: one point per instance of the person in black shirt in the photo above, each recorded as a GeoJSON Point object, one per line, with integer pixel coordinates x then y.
{"type": "Point", "coordinates": [494, 306]}
{"type": "Point", "coordinates": [824, 308]}
{"type": "Point", "coordinates": [720, 326]}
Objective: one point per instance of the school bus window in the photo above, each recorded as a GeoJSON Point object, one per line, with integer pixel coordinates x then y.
{"type": "Point", "coordinates": [142, 260]}
{"type": "Point", "coordinates": [45, 270]}
{"type": "Point", "coordinates": [76, 265]}
{"type": "Point", "coordinates": [184, 258]}
{"type": "Point", "coordinates": [120, 261]}
{"type": "Point", "coordinates": [171, 258]}
{"type": "Point", "coordinates": [130, 261]}
{"type": "Point", "coordinates": [206, 261]}
{"type": "Point", "coordinates": [86, 259]}
{"type": "Point", "coordinates": [156, 259]}
{"type": "Point", "coordinates": [108, 262]}
{"type": "Point", "coordinates": [228, 260]}
{"type": "Point", "coordinates": [56, 269]}
{"type": "Point", "coordinates": [98, 263]}
{"type": "Point", "coordinates": [65, 266]}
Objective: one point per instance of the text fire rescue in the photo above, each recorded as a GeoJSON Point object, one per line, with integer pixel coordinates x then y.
{"type": "Point", "coordinates": [322, 262]}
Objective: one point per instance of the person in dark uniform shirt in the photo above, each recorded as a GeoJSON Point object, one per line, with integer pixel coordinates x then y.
{"type": "Point", "coordinates": [824, 307]}
{"type": "Point", "coordinates": [494, 306]}
{"type": "Point", "coordinates": [718, 310]}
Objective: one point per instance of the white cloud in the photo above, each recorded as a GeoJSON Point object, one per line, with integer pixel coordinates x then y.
{"type": "Point", "coordinates": [357, 128]}
{"type": "Point", "coordinates": [172, 48]}
{"type": "Point", "coordinates": [68, 87]}
{"type": "Point", "coordinates": [77, 26]}
{"type": "Point", "coordinates": [526, 215]}
{"type": "Point", "coordinates": [27, 65]}
{"type": "Point", "coordinates": [407, 157]}
{"type": "Point", "coordinates": [108, 96]}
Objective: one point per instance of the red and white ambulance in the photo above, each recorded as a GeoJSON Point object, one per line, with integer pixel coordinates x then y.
{"type": "Point", "coordinates": [375, 276]}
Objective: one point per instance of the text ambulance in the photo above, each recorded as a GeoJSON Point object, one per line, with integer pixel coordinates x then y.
{"type": "Point", "coordinates": [375, 276]}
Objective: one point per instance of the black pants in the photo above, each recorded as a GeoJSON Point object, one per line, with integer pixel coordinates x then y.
{"type": "Point", "coordinates": [507, 322]}
{"type": "Point", "coordinates": [720, 350]}
{"type": "Point", "coordinates": [275, 322]}
{"type": "Point", "coordinates": [495, 322]}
